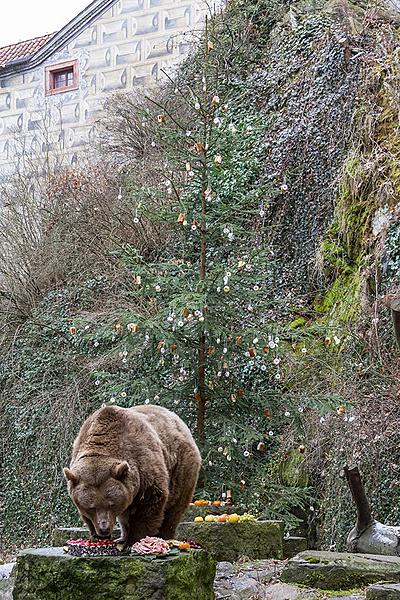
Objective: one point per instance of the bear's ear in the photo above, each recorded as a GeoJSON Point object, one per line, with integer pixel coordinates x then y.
{"type": "Point", "coordinates": [71, 476]}
{"type": "Point", "coordinates": [120, 470]}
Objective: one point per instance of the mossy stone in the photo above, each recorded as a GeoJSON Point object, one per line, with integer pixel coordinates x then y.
{"type": "Point", "coordinates": [384, 591]}
{"type": "Point", "coordinates": [292, 545]}
{"type": "Point", "coordinates": [340, 571]}
{"type": "Point", "coordinates": [229, 541]}
{"type": "Point", "coordinates": [50, 574]}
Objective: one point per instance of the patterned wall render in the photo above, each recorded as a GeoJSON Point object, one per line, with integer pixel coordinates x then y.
{"type": "Point", "coordinates": [125, 48]}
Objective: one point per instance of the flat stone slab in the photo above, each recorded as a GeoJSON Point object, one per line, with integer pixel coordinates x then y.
{"type": "Point", "coordinates": [50, 574]}
{"type": "Point", "coordinates": [384, 591]}
{"type": "Point", "coordinates": [230, 541]}
{"type": "Point", "coordinates": [340, 571]}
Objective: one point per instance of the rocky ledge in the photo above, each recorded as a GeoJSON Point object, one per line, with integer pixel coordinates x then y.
{"type": "Point", "coordinates": [340, 571]}
{"type": "Point", "coordinates": [50, 574]}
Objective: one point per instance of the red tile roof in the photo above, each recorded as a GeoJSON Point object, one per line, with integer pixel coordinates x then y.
{"type": "Point", "coordinates": [22, 49]}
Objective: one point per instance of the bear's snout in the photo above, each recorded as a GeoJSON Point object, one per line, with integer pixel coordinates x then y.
{"type": "Point", "coordinates": [104, 524]}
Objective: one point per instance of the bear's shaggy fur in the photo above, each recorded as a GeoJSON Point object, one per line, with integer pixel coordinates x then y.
{"type": "Point", "coordinates": [139, 465]}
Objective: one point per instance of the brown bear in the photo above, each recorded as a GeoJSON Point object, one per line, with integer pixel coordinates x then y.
{"type": "Point", "coordinates": [139, 465]}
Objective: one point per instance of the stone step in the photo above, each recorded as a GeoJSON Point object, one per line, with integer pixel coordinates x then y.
{"type": "Point", "coordinates": [50, 574]}
{"type": "Point", "coordinates": [340, 571]}
{"type": "Point", "coordinates": [292, 545]}
{"type": "Point", "coordinates": [230, 541]}
{"type": "Point", "coordinates": [383, 591]}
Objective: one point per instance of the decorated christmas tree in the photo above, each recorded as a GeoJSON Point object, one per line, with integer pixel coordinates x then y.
{"type": "Point", "coordinates": [200, 342]}
{"type": "Point", "coordinates": [199, 338]}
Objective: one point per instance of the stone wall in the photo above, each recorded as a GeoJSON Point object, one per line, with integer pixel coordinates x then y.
{"type": "Point", "coordinates": [126, 48]}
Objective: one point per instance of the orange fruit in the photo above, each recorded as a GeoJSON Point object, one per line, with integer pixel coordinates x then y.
{"type": "Point", "coordinates": [184, 545]}
{"type": "Point", "coordinates": [221, 518]}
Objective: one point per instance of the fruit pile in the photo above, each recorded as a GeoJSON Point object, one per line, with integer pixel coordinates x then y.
{"type": "Point", "coordinates": [82, 547]}
{"type": "Point", "coordinates": [216, 503]}
{"type": "Point", "coordinates": [225, 518]}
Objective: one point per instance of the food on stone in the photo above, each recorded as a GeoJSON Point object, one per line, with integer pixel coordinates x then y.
{"type": "Point", "coordinates": [198, 519]}
{"type": "Point", "coordinates": [184, 546]}
{"type": "Point", "coordinates": [150, 545]}
{"type": "Point", "coordinates": [209, 518]}
{"type": "Point", "coordinates": [222, 518]}
{"type": "Point", "coordinates": [234, 518]}
{"type": "Point", "coordinates": [216, 503]}
{"type": "Point", "coordinates": [201, 502]}
{"type": "Point", "coordinates": [181, 544]}
{"type": "Point", "coordinates": [247, 517]}
{"type": "Point", "coordinates": [83, 547]}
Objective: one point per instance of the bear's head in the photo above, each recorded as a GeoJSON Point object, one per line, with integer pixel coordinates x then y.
{"type": "Point", "coordinates": [102, 491]}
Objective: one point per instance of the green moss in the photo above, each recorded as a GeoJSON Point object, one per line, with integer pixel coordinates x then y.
{"type": "Point", "coordinates": [341, 301]}
{"type": "Point", "coordinates": [312, 560]}
{"type": "Point", "coordinates": [299, 322]}
{"type": "Point", "coordinates": [292, 470]}
{"type": "Point", "coordinates": [49, 574]}
{"type": "Point", "coordinates": [230, 541]}
{"type": "Point", "coordinates": [345, 246]}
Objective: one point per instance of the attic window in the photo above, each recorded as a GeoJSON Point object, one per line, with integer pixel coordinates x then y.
{"type": "Point", "coordinates": [62, 78]}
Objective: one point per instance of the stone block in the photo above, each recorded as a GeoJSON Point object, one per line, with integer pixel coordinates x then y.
{"type": "Point", "coordinates": [292, 545]}
{"type": "Point", "coordinates": [50, 574]}
{"type": "Point", "coordinates": [340, 571]}
{"type": "Point", "coordinates": [383, 591]}
{"type": "Point", "coordinates": [229, 541]}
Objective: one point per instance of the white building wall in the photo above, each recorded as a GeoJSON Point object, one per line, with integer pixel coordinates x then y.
{"type": "Point", "coordinates": [126, 48]}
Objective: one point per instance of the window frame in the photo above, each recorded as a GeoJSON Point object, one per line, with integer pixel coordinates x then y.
{"type": "Point", "coordinates": [59, 68]}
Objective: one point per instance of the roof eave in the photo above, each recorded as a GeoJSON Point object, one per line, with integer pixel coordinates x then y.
{"type": "Point", "coordinates": [59, 39]}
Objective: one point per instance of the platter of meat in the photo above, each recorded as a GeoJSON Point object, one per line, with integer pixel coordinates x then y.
{"type": "Point", "coordinates": [151, 547]}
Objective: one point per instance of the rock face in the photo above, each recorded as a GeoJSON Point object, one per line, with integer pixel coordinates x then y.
{"type": "Point", "coordinates": [50, 574]}
{"type": "Point", "coordinates": [229, 541]}
{"type": "Point", "coordinates": [340, 571]}
{"type": "Point", "coordinates": [6, 581]}
{"type": "Point", "coordinates": [384, 591]}
{"type": "Point", "coordinates": [375, 539]}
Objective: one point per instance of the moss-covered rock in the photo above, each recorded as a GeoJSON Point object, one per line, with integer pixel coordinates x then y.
{"type": "Point", "coordinates": [50, 574]}
{"type": "Point", "coordinates": [340, 571]}
{"type": "Point", "coordinates": [384, 591]}
{"type": "Point", "coordinates": [229, 541]}
{"type": "Point", "coordinates": [292, 545]}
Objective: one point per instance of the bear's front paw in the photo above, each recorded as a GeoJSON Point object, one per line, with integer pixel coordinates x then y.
{"type": "Point", "coordinates": [121, 541]}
